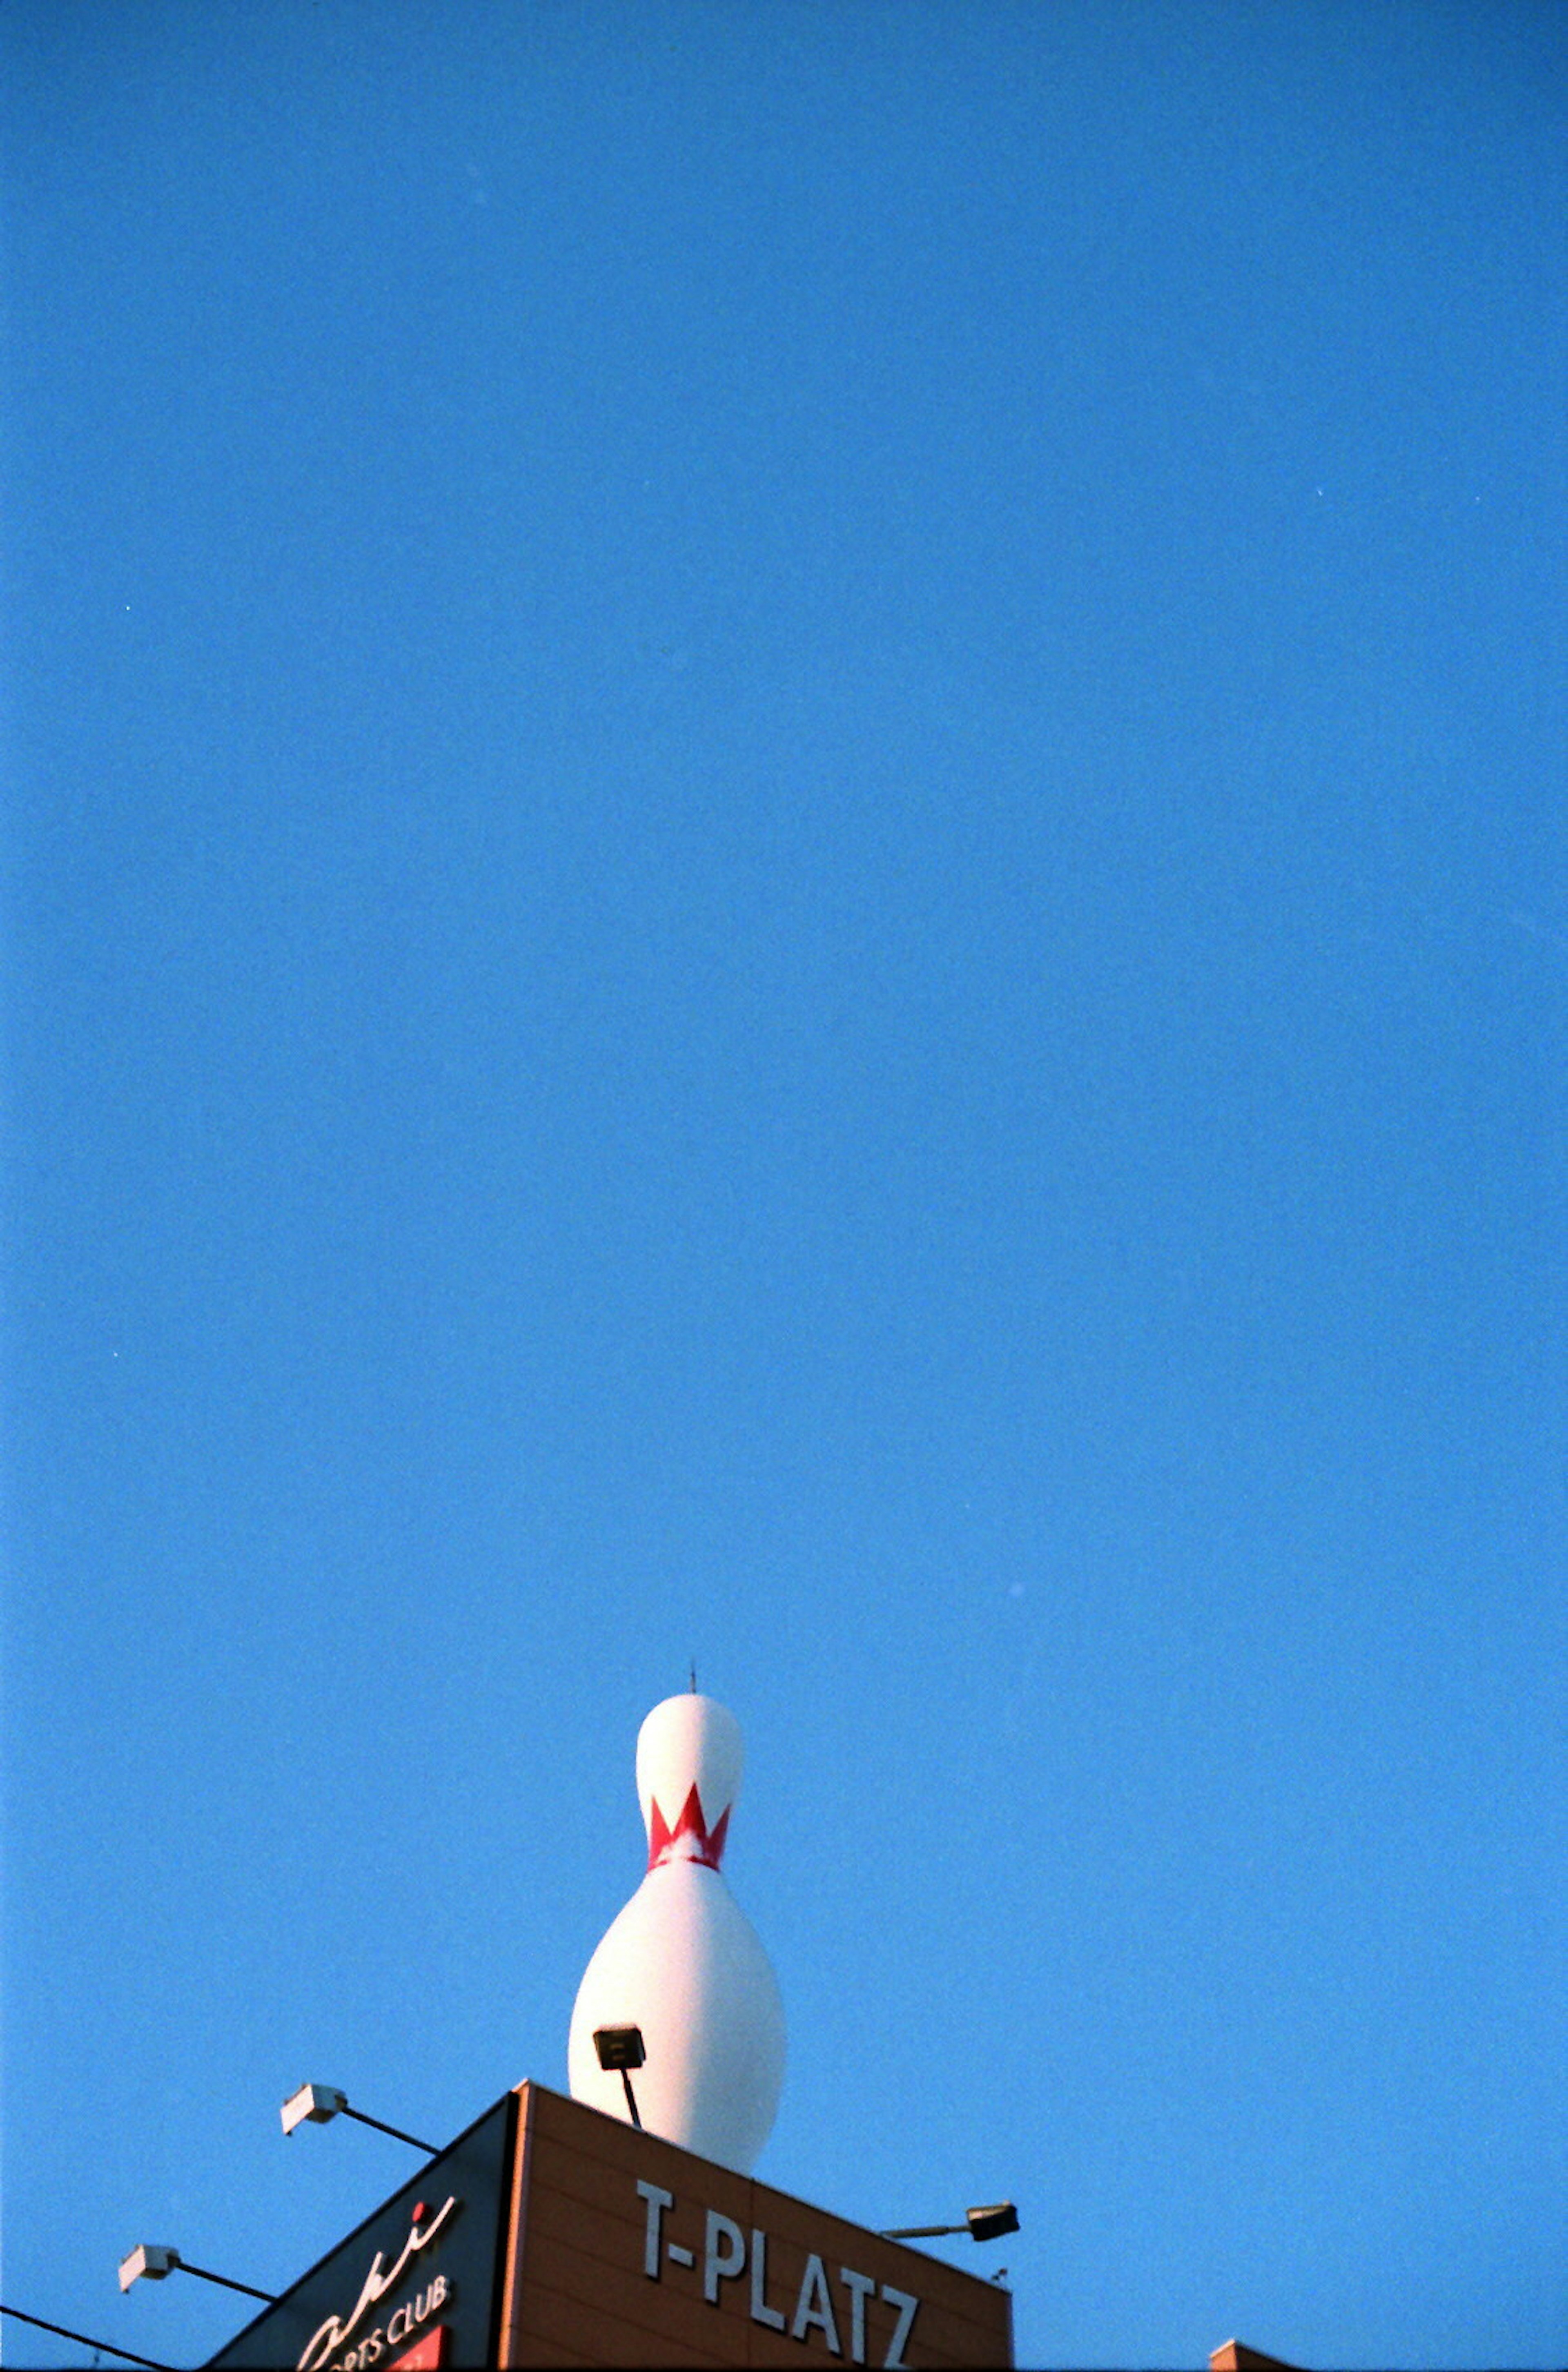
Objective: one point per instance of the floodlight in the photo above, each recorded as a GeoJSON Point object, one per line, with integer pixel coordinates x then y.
{"type": "Point", "coordinates": [155, 2264]}
{"type": "Point", "coordinates": [991, 2222]}
{"type": "Point", "coordinates": [317, 2104]}
{"type": "Point", "coordinates": [147, 2263]}
{"type": "Point", "coordinates": [620, 2050]}
{"type": "Point", "coordinates": [979, 2223]}
{"type": "Point", "coordinates": [619, 2047]}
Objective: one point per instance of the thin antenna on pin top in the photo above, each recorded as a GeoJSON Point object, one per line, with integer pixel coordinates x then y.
{"type": "Point", "coordinates": [693, 1680]}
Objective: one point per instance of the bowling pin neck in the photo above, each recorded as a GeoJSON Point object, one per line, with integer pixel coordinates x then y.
{"type": "Point", "coordinates": [690, 1839]}
{"type": "Point", "coordinates": [689, 1764]}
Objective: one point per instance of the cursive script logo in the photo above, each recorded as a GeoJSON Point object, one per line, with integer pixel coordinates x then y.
{"type": "Point", "coordinates": [334, 2331]}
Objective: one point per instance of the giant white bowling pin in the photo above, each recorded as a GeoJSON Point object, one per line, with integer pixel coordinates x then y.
{"type": "Point", "coordinates": [682, 1961]}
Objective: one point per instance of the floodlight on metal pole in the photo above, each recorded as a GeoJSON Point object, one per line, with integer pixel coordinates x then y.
{"type": "Point", "coordinates": [317, 2104]}
{"type": "Point", "coordinates": [155, 2264]}
{"type": "Point", "coordinates": [38, 2322]}
{"type": "Point", "coordinates": [620, 2050]}
{"type": "Point", "coordinates": [979, 2223]}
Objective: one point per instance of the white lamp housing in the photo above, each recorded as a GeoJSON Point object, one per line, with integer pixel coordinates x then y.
{"type": "Point", "coordinates": [312, 2102]}
{"type": "Point", "coordinates": [155, 2263]}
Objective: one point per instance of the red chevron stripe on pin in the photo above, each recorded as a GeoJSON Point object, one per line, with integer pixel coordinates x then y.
{"type": "Point", "coordinates": [688, 1840]}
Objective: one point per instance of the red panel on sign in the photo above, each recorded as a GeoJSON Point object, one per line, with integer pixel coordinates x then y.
{"type": "Point", "coordinates": [427, 2354]}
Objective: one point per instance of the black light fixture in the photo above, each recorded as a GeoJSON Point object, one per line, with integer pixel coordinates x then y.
{"type": "Point", "coordinates": [991, 2222]}
{"type": "Point", "coordinates": [979, 2223]}
{"type": "Point", "coordinates": [620, 2050]}
{"type": "Point", "coordinates": [155, 2264]}
{"type": "Point", "coordinates": [82, 2340]}
{"type": "Point", "coordinates": [317, 2104]}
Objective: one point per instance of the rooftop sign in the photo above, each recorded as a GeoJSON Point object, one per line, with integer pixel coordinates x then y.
{"type": "Point", "coordinates": [415, 2285]}
{"type": "Point", "coordinates": [552, 2233]}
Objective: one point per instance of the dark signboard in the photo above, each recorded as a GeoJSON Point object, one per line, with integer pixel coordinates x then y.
{"type": "Point", "coordinates": [417, 2286]}
{"type": "Point", "coordinates": [629, 2251]}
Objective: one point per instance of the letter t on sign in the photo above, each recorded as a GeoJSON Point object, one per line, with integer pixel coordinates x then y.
{"type": "Point", "coordinates": [860, 2288]}
{"type": "Point", "coordinates": [658, 2201]}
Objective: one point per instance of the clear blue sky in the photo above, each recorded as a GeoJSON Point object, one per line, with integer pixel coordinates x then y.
{"type": "Point", "coordinates": [787, 884]}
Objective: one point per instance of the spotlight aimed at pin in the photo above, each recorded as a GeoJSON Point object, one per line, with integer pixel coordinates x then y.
{"type": "Point", "coordinates": [620, 2051]}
